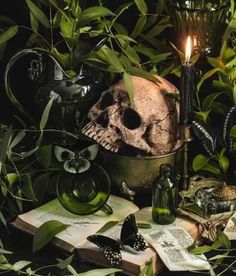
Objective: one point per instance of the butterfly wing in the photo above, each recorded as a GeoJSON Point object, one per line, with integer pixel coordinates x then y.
{"type": "Point", "coordinates": [90, 152]}
{"type": "Point", "coordinates": [63, 154]}
{"type": "Point", "coordinates": [130, 236]}
{"type": "Point", "coordinates": [111, 247]}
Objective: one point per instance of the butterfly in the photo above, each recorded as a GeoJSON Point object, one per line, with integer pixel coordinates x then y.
{"type": "Point", "coordinates": [129, 236]}
{"type": "Point", "coordinates": [78, 161]}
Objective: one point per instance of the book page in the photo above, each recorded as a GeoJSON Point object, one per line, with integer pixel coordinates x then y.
{"type": "Point", "coordinates": [171, 241]}
{"type": "Point", "coordinates": [230, 229]}
{"type": "Point", "coordinates": [80, 226]}
{"type": "Point", "coordinates": [171, 245]}
{"type": "Point", "coordinates": [145, 215]}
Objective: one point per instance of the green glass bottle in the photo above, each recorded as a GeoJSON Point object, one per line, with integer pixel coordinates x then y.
{"type": "Point", "coordinates": [164, 196]}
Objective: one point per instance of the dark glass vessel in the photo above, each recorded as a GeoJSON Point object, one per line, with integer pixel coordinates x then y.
{"type": "Point", "coordinates": [204, 20]}
{"type": "Point", "coordinates": [164, 196]}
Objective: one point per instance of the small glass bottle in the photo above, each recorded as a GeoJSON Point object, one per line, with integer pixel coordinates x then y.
{"type": "Point", "coordinates": [164, 196]}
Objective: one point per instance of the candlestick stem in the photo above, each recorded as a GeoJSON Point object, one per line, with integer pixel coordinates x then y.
{"type": "Point", "coordinates": [185, 136]}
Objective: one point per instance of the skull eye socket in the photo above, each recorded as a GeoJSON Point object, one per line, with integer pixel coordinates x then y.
{"type": "Point", "coordinates": [103, 119]}
{"type": "Point", "coordinates": [107, 100]}
{"type": "Point", "coordinates": [131, 119]}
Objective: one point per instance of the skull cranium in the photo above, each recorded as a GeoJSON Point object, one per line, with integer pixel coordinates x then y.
{"type": "Point", "coordinates": [149, 125]}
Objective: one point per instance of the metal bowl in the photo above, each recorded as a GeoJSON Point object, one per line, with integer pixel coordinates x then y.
{"type": "Point", "coordinates": [132, 174]}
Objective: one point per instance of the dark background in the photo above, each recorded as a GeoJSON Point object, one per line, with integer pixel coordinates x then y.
{"type": "Point", "coordinates": [16, 10]}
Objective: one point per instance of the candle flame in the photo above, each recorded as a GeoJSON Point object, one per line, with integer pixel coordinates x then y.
{"type": "Point", "coordinates": [188, 50]}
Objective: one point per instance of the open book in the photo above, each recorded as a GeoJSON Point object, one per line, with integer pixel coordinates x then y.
{"type": "Point", "coordinates": [74, 238]}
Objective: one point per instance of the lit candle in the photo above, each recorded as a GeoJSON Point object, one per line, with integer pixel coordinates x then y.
{"type": "Point", "coordinates": [186, 86]}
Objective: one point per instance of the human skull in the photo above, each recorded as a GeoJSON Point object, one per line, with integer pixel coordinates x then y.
{"type": "Point", "coordinates": [150, 125]}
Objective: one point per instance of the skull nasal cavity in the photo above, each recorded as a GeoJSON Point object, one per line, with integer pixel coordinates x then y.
{"type": "Point", "coordinates": [106, 101]}
{"type": "Point", "coordinates": [103, 119]}
{"type": "Point", "coordinates": [131, 119]}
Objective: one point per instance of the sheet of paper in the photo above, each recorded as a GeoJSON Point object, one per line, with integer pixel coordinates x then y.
{"type": "Point", "coordinates": [171, 242]}
{"type": "Point", "coordinates": [230, 229]}
{"type": "Point", "coordinates": [171, 245]}
{"type": "Point", "coordinates": [80, 226]}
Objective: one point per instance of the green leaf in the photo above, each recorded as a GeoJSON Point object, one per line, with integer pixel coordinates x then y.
{"type": "Point", "coordinates": [20, 264]}
{"type": "Point", "coordinates": [3, 251]}
{"type": "Point", "coordinates": [224, 239]}
{"type": "Point", "coordinates": [12, 178]}
{"type": "Point", "coordinates": [212, 169]}
{"type": "Point", "coordinates": [227, 54]}
{"type": "Point", "coordinates": [64, 263]}
{"type": "Point", "coordinates": [231, 63]}
{"type": "Point", "coordinates": [144, 270]}
{"type": "Point", "coordinates": [39, 15]}
{"type": "Point", "coordinates": [194, 208]}
{"type": "Point", "coordinates": [141, 5]}
{"type": "Point", "coordinates": [64, 59]}
{"type": "Point", "coordinates": [159, 28]}
{"type": "Point", "coordinates": [139, 26]}
{"type": "Point", "coordinates": [113, 59]}
{"type": "Point", "coordinates": [223, 161]}
{"type": "Point", "coordinates": [212, 272]}
{"type": "Point", "coordinates": [124, 37]}
{"type": "Point", "coordinates": [160, 57]}
{"type": "Point", "coordinates": [132, 55]}
{"type": "Point", "coordinates": [206, 76]}
{"type": "Point", "coordinates": [107, 226]}
{"type": "Point", "coordinates": [208, 100]}
{"type": "Point", "coordinates": [129, 86]}
{"type": "Point", "coordinates": [8, 34]}
{"type": "Point", "coordinates": [2, 219]}
{"type": "Point", "coordinates": [19, 136]}
{"type": "Point", "coordinates": [195, 58]}
{"type": "Point", "coordinates": [143, 74]}
{"type": "Point", "coordinates": [233, 131]}
{"type": "Point", "coordinates": [57, 19]}
{"type": "Point", "coordinates": [181, 54]}
{"type": "Point", "coordinates": [44, 154]}
{"type": "Point", "coordinates": [40, 185]}
{"type": "Point", "coordinates": [150, 270]}
{"type": "Point", "coordinates": [192, 246]}
{"type": "Point", "coordinates": [27, 187]}
{"type": "Point", "coordinates": [230, 28]}
{"type": "Point", "coordinates": [100, 272]}
{"type": "Point", "coordinates": [60, 9]}
{"type": "Point", "coordinates": [34, 23]}
{"type": "Point", "coordinates": [219, 108]}
{"type": "Point", "coordinates": [5, 266]}
{"type": "Point", "coordinates": [199, 162]}
{"type": "Point", "coordinates": [200, 250]}
{"type": "Point", "coordinates": [144, 225]}
{"type": "Point", "coordinates": [221, 256]}
{"type": "Point", "coordinates": [202, 115]}
{"type": "Point", "coordinates": [215, 62]}
{"type": "Point", "coordinates": [5, 139]}
{"type": "Point", "coordinates": [234, 94]}
{"type": "Point", "coordinates": [71, 270]}
{"type": "Point", "coordinates": [93, 13]}
{"type": "Point", "coordinates": [46, 232]}
{"type": "Point", "coordinates": [45, 114]}
{"type": "Point", "coordinates": [67, 27]}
